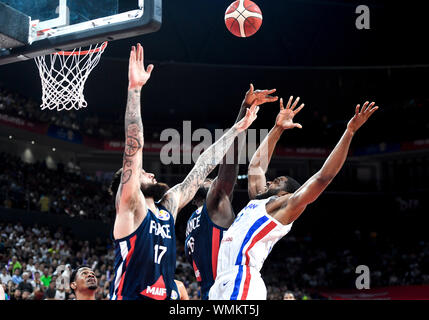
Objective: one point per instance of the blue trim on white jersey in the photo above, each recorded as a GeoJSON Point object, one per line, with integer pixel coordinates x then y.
{"type": "Point", "coordinates": [247, 238]}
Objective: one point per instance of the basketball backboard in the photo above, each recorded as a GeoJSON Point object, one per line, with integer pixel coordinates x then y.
{"type": "Point", "coordinates": [57, 25]}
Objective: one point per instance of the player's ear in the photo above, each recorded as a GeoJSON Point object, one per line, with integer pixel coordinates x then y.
{"type": "Point", "coordinates": [73, 285]}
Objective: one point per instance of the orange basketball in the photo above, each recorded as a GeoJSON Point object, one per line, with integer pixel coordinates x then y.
{"type": "Point", "coordinates": [243, 18]}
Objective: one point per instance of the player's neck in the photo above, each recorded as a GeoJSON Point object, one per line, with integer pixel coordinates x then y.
{"type": "Point", "coordinates": [85, 295]}
{"type": "Point", "coordinates": [150, 203]}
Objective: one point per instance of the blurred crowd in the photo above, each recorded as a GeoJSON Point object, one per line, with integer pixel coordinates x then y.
{"type": "Point", "coordinates": [323, 129]}
{"type": "Point", "coordinates": [34, 187]}
{"type": "Point", "coordinates": [322, 262]}
{"type": "Point", "coordinates": [36, 261]}
{"type": "Point", "coordinates": [85, 121]}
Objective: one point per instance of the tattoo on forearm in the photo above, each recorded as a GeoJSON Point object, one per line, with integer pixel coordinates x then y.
{"type": "Point", "coordinates": [126, 175]}
{"type": "Point", "coordinates": [133, 133]}
{"type": "Point", "coordinates": [132, 143]}
{"type": "Point", "coordinates": [205, 164]}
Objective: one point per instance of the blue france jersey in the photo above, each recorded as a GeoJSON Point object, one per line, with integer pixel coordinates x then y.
{"type": "Point", "coordinates": [202, 243]}
{"type": "Point", "coordinates": [145, 261]}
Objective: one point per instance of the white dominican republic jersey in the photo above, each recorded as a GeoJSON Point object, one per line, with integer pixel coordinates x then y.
{"type": "Point", "coordinates": [242, 253]}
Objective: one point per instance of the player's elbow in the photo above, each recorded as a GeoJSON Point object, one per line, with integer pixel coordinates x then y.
{"type": "Point", "coordinates": [325, 178]}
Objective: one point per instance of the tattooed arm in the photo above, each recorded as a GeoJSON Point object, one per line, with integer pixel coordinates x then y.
{"type": "Point", "coordinates": [219, 196]}
{"type": "Point", "coordinates": [129, 197]}
{"type": "Point", "coordinates": [180, 195]}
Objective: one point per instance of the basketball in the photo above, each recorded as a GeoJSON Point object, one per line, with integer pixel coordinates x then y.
{"type": "Point", "coordinates": [243, 18]}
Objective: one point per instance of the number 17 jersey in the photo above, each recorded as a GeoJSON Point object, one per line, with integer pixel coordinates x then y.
{"type": "Point", "coordinates": [145, 261]}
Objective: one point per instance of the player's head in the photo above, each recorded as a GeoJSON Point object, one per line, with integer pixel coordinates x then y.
{"type": "Point", "coordinates": [148, 185]}
{"type": "Point", "coordinates": [201, 195]}
{"type": "Point", "coordinates": [278, 187]}
{"type": "Point", "coordinates": [83, 281]}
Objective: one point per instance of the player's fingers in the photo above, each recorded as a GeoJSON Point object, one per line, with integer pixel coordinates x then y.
{"type": "Point", "coordinates": [369, 107]}
{"type": "Point", "coordinates": [289, 102]}
{"type": "Point", "coordinates": [150, 68]}
{"type": "Point", "coordinates": [140, 54]}
{"type": "Point", "coordinates": [297, 125]}
{"type": "Point", "coordinates": [357, 109]}
{"type": "Point", "coordinates": [364, 106]}
{"type": "Point", "coordinates": [272, 99]}
{"type": "Point", "coordinates": [372, 111]}
{"type": "Point", "coordinates": [270, 91]}
{"type": "Point", "coordinates": [295, 103]}
{"type": "Point", "coordinates": [299, 109]}
{"type": "Point", "coordinates": [281, 104]}
{"type": "Point", "coordinates": [252, 88]}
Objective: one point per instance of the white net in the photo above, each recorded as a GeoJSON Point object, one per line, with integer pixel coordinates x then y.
{"type": "Point", "coordinates": [64, 74]}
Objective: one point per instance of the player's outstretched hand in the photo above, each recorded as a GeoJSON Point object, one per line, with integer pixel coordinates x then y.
{"type": "Point", "coordinates": [361, 116]}
{"type": "Point", "coordinates": [137, 74]}
{"type": "Point", "coordinates": [285, 117]}
{"type": "Point", "coordinates": [259, 96]}
{"type": "Point", "coordinates": [251, 115]}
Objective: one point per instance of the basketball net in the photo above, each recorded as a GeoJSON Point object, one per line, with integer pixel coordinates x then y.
{"type": "Point", "coordinates": [64, 74]}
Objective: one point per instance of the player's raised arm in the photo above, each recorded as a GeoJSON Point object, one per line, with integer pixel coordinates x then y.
{"type": "Point", "coordinates": [220, 191]}
{"type": "Point", "coordinates": [180, 195]}
{"type": "Point", "coordinates": [311, 189]}
{"type": "Point", "coordinates": [129, 189]}
{"type": "Point", "coordinates": [258, 166]}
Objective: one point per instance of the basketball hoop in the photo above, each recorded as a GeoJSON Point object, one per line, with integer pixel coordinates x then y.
{"type": "Point", "coordinates": [64, 75]}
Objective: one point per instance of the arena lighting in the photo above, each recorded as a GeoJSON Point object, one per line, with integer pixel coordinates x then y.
{"type": "Point", "coordinates": [10, 137]}
{"type": "Point", "coordinates": [32, 142]}
{"type": "Point", "coordinates": [53, 149]}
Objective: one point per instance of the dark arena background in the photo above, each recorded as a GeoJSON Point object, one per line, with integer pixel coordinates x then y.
{"type": "Point", "coordinates": [55, 167]}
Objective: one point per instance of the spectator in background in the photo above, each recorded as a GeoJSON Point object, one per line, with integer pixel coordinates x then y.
{"type": "Point", "coordinates": [288, 296]}
{"type": "Point", "coordinates": [14, 264]}
{"type": "Point", "coordinates": [51, 292]}
{"type": "Point", "coordinates": [36, 282]}
{"type": "Point", "coordinates": [17, 295]}
{"type": "Point", "coordinates": [60, 293]}
{"type": "Point", "coordinates": [16, 278]}
{"type": "Point", "coordinates": [5, 277]}
{"type": "Point", "coordinates": [46, 277]}
{"type": "Point", "coordinates": [44, 203]}
{"type": "Point", "coordinates": [7, 203]}
{"type": "Point", "coordinates": [30, 267]}
{"type": "Point", "coordinates": [38, 294]}
{"type": "Point", "coordinates": [26, 295]}
{"type": "Point", "coordinates": [25, 284]}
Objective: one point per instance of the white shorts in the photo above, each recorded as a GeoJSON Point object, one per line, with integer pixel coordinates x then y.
{"type": "Point", "coordinates": [241, 283]}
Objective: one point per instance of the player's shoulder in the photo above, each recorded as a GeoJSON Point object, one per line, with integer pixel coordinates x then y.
{"type": "Point", "coordinates": [162, 213]}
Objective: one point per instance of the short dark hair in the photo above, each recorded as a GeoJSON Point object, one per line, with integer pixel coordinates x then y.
{"type": "Point", "coordinates": [291, 185]}
{"type": "Point", "coordinates": [75, 271]}
{"type": "Point", "coordinates": [114, 185]}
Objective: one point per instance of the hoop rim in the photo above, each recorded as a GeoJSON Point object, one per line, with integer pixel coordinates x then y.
{"type": "Point", "coordinates": [82, 53]}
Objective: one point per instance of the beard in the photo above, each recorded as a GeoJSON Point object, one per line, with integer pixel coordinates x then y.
{"type": "Point", "coordinates": [92, 286]}
{"type": "Point", "coordinates": [267, 194]}
{"type": "Point", "coordinates": [154, 190]}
